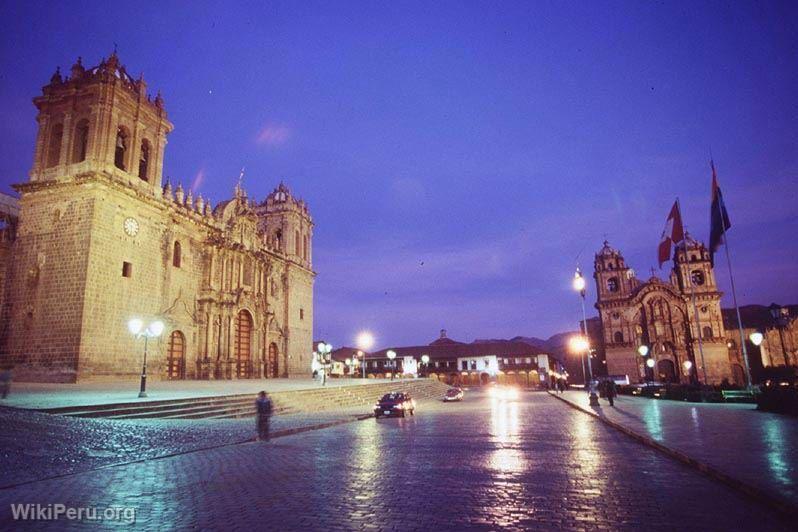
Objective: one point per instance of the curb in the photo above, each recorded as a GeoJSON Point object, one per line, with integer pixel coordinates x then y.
{"type": "Point", "coordinates": [785, 508]}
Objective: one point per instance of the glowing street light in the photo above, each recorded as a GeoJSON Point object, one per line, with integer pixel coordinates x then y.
{"type": "Point", "coordinates": [324, 349]}
{"type": "Point", "coordinates": [756, 338]}
{"type": "Point", "coordinates": [650, 362]}
{"type": "Point", "coordinates": [579, 344]}
{"type": "Point", "coordinates": [365, 341]}
{"type": "Point", "coordinates": [580, 286]}
{"type": "Point", "coordinates": [642, 350]}
{"type": "Point", "coordinates": [425, 361]}
{"type": "Point", "coordinates": [687, 366]}
{"type": "Point", "coordinates": [153, 330]}
{"type": "Point", "coordinates": [391, 354]}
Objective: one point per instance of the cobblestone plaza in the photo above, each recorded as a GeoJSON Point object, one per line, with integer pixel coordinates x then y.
{"type": "Point", "coordinates": [532, 464]}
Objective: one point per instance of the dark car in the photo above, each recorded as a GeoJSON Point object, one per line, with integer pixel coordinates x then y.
{"type": "Point", "coordinates": [395, 404]}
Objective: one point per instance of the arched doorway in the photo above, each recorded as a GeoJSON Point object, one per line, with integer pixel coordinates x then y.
{"type": "Point", "coordinates": [484, 378]}
{"type": "Point", "coordinates": [272, 365]}
{"type": "Point", "coordinates": [243, 345]}
{"type": "Point", "coordinates": [666, 370]}
{"type": "Point", "coordinates": [176, 356]}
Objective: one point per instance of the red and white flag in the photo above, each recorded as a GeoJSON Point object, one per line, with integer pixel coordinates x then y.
{"type": "Point", "coordinates": [671, 235]}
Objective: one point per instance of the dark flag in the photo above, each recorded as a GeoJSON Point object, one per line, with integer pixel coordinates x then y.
{"type": "Point", "coordinates": [671, 235]}
{"type": "Point", "coordinates": [719, 218]}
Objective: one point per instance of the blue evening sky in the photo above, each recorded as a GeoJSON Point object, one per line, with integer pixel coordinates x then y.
{"type": "Point", "coordinates": [459, 158]}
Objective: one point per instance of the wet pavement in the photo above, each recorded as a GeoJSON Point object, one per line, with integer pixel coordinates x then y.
{"type": "Point", "coordinates": [532, 464]}
{"type": "Point", "coordinates": [759, 448]}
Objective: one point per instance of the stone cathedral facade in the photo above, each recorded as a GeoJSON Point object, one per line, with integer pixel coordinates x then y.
{"type": "Point", "coordinates": [101, 239]}
{"type": "Point", "coordinates": [661, 315]}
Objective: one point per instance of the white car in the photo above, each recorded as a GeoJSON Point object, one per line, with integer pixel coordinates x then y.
{"type": "Point", "coordinates": [453, 394]}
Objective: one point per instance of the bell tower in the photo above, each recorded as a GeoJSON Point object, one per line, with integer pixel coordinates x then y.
{"type": "Point", "coordinates": [692, 268]}
{"type": "Point", "coordinates": [101, 120]}
{"type": "Point", "coordinates": [614, 279]}
{"type": "Point", "coordinates": [287, 224]}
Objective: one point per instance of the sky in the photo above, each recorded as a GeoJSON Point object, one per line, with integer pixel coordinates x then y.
{"type": "Point", "coordinates": [460, 159]}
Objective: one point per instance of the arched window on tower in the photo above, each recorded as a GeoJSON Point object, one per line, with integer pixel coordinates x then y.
{"type": "Point", "coordinates": [305, 248]}
{"type": "Point", "coordinates": [278, 239]}
{"type": "Point", "coordinates": [144, 160]}
{"type": "Point", "coordinates": [177, 257]}
{"type": "Point", "coordinates": [697, 276]}
{"type": "Point", "coordinates": [706, 332]}
{"type": "Point", "coordinates": [120, 152]}
{"type": "Point", "coordinates": [54, 150]}
{"type": "Point", "coordinates": [618, 337]}
{"type": "Point", "coordinates": [81, 141]}
{"type": "Point", "coordinates": [612, 284]}
{"type": "Point", "coordinates": [298, 243]}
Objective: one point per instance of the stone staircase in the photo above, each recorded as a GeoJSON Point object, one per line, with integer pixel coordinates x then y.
{"type": "Point", "coordinates": [239, 406]}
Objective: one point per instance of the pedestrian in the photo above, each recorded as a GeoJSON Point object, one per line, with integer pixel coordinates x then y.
{"type": "Point", "coordinates": [561, 385]}
{"type": "Point", "coordinates": [263, 407]}
{"type": "Point", "coordinates": [5, 380]}
{"type": "Point", "coordinates": [611, 391]}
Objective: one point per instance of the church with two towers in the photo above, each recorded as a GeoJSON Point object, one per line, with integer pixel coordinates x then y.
{"type": "Point", "coordinates": [101, 239]}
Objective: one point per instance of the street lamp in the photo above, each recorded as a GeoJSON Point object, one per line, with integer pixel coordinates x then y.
{"type": "Point", "coordinates": [362, 357]}
{"type": "Point", "coordinates": [324, 350]}
{"type": "Point", "coordinates": [392, 355]}
{"type": "Point", "coordinates": [153, 330]}
{"type": "Point", "coordinates": [756, 338]}
{"type": "Point", "coordinates": [365, 341]}
{"type": "Point", "coordinates": [425, 361]}
{"type": "Point", "coordinates": [643, 352]}
{"type": "Point", "coordinates": [579, 344]}
{"type": "Point", "coordinates": [780, 319]}
{"type": "Point", "coordinates": [580, 286]}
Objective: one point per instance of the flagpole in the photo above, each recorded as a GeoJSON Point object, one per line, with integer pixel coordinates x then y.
{"type": "Point", "coordinates": [695, 307]}
{"type": "Point", "coordinates": [721, 207]}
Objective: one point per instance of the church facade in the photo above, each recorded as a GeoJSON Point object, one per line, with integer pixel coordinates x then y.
{"type": "Point", "coordinates": [679, 320]}
{"type": "Point", "coordinates": [101, 239]}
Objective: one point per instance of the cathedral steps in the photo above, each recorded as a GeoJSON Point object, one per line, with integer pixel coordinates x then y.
{"type": "Point", "coordinates": [242, 405]}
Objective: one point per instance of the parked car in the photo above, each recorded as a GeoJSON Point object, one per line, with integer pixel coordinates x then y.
{"type": "Point", "coordinates": [395, 404]}
{"type": "Point", "coordinates": [453, 394]}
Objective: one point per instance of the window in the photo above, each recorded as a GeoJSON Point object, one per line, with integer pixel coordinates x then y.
{"type": "Point", "coordinates": [487, 363]}
{"type": "Point", "coordinates": [121, 149]}
{"type": "Point", "coordinates": [465, 364]}
{"type": "Point", "coordinates": [707, 333]}
{"type": "Point", "coordinates": [528, 360]}
{"type": "Point", "coordinates": [618, 337]}
{"type": "Point", "coordinates": [517, 361]}
{"type": "Point", "coordinates": [127, 269]}
{"type": "Point", "coordinates": [697, 276]}
{"type": "Point", "coordinates": [301, 314]}
{"type": "Point", "coordinates": [612, 284]}
{"type": "Point", "coordinates": [247, 273]}
{"type": "Point", "coordinates": [278, 239]}
{"type": "Point", "coordinates": [298, 244]}
{"type": "Point", "coordinates": [54, 152]}
{"type": "Point", "coordinates": [81, 141]}
{"type": "Point", "coordinates": [473, 364]}
{"type": "Point", "coordinates": [144, 160]}
{"type": "Point", "coordinates": [176, 255]}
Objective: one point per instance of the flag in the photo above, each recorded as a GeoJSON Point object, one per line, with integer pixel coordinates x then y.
{"type": "Point", "coordinates": [671, 235]}
{"type": "Point", "coordinates": [718, 218]}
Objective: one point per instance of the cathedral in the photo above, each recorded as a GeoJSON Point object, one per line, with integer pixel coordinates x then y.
{"type": "Point", "coordinates": [97, 238]}
{"type": "Point", "coordinates": [679, 321]}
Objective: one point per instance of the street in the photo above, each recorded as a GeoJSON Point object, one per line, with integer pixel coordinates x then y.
{"type": "Point", "coordinates": [534, 463]}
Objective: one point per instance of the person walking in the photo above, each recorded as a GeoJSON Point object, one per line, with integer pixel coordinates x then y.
{"type": "Point", "coordinates": [263, 407]}
{"type": "Point", "coordinates": [612, 391]}
{"type": "Point", "coordinates": [5, 381]}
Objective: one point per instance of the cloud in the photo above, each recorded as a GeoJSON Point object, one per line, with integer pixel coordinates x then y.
{"type": "Point", "coordinates": [199, 178]}
{"type": "Point", "coordinates": [273, 135]}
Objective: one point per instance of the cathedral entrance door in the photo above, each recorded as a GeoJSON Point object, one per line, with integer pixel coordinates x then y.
{"type": "Point", "coordinates": [243, 345]}
{"type": "Point", "coordinates": [666, 370]}
{"type": "Point", "coordinates": [272, 369]}
{"type": "Point", "coordinates": [176, 356]}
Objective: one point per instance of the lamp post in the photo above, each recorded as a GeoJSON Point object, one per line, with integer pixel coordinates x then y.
{"type": "Point", "coordinates": [391, 356]}
{"type": "Point", "coordinates": [780, 320]}
{"type": "Point", "coordinates": [425, 361]}
{"type": "Point", "coordinates": [579, 344]}
{"type": "Point", "coordinates": [643, 352]}
{"type": "Point", "coordinates": [362, 357]}
{"type": "Point", "coordinates": [153, 330]}
{"type": "Point", "coordinates": [365, 341]}
{"type": "Point", "coordinates": [324, 350]}
{"type": "Point", "coordinates": [580, 286]}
